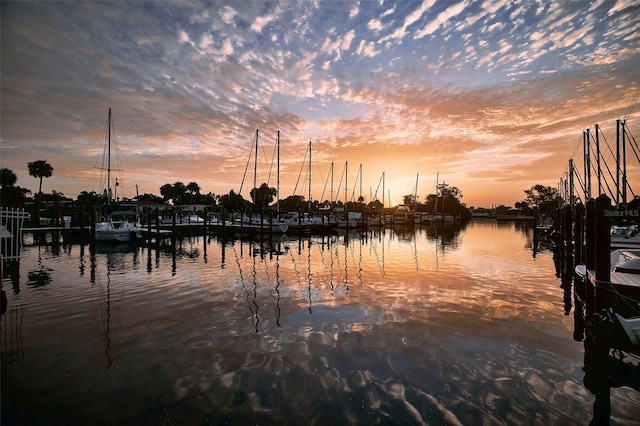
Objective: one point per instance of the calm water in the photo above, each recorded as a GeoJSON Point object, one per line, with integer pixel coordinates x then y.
{"type": "Point", "coordinates": [457, 327]}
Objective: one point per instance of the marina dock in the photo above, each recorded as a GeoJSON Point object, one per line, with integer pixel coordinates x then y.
{"type": "Point", "coordinates": [584, 238]}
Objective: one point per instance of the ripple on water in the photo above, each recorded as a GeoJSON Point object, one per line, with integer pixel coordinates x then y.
{"type": "Point", "coordinates": [415, 338]}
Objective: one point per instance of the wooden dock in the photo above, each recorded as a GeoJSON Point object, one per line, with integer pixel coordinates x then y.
{"type": "Point", "coordinates": [585, 236]}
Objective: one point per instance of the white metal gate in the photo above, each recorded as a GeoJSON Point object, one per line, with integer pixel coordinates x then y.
{"type": "Point", "coordinates": [11, 222]}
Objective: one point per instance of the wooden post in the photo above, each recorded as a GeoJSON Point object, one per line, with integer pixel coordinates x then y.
{"type": "Point", "coordinates": [602, 256]}
{"type": "Point", "coordinates": [579, 233]}
{"type": "Point", "coordinates": [173, 234]}
{"type": "Point", "coordinates": [567, 234]}
{"type": "Point", "coordinates": [93, 225]}
{"type": "Point", "coordinates": [158, 237]}
{"type": "Point", "coordinates": [579, 250]}
{"type": "Point", "coordinates": [224, 220]}
{"type": "Point", "coordinates": [204, 226]}
{"type": "Point", "coordinates": [149, 217]}
{"type": "Point", "coordinates": [589, 236]}
{"type": "Point", "coordinates": [590, 255]}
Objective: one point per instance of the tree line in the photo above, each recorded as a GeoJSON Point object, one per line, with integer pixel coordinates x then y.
{"type": "Point", "coordinates": [447, 199]}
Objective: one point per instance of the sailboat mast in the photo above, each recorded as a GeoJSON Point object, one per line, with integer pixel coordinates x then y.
{"type": "Point", "coordinates": [346, 176]}
{"type": "Point", "coordinates": [586, 141]}
{"type": "Point", "coordinates": [442, 192]}
{"type": "Point", "coordinates": [383, 189]}
{"type": "Point", "coordinates": [109, 159]}
{"type": "Point", "coordinates": [309, 176]}
{"type": "Point", "coordinates": [624, 162]}
{"type": "Point", "coordinates": [278, 178]}
{"type": "Point", "coordinates": [353, 193]}
{"type": "Point", "coordinates": [415, 194]}
{"type": "Point", "coordinates": [255, 167]}
{"type": "Point", "coordinates": [436, 205]}
{"type": "Point", "coordinates": [360, 173]}
{"type": "Point", "coordinates": [332, 199]}
{"type": "Point", "coordinates": [617, 162]}
{"type": "Point", "coordinates": [598, 159]}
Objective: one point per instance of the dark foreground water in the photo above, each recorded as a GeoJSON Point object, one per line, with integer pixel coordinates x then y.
{"type": "Point", "coordinates": [459, 327]}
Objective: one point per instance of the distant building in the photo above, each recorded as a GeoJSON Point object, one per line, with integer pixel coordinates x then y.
{"type": "Point", "coordinates": [481, 212]}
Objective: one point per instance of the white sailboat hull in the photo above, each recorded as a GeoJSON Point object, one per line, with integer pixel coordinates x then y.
{"type": "Point", "coordinates": [113, 235]}
{"type": "Point", "coordinates": [115, 231]}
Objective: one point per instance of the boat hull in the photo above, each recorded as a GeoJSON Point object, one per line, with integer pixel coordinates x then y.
{"type": "Point", "coordinates": [631, 327]}
{"type": "Point", "coordinates": [121, 232]}
{"type": "Point", "coordinates": [114, 235]}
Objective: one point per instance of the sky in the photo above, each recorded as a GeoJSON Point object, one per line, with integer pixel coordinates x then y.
{"type": "Point", "coordinates": [491, 97]}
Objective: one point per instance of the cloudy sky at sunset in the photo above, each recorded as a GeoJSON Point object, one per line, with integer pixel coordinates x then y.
{"type": "Point", "coordinates": [491, 96]}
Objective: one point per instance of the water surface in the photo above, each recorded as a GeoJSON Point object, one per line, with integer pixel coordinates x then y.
{"type": "Point", "coordinates": [433, 326]}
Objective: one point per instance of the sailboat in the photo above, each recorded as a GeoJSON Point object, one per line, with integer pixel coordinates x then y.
{"type": "Point", "coordinates": [435, 216]}
{"type": "Point", "coordinates": [378, 221]}
{"type": "Point", "coordinates": [258, 223]}
{"type": "Point", "coordinates": [110, 230]}
{"type": "Point", "coordinates": [307, 223]}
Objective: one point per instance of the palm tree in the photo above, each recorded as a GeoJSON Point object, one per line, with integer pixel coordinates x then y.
{"type": "Point", "coordinates": [40, 169]}
{"type": "Point", "coordinates": [7, 178]}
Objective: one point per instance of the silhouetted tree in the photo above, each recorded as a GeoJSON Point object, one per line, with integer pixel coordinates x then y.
{"type": "Point", "coordinates": [166, 191]}
{"type": "Point", "coordinates": [7, 178]}
{"type": "Point", "coordinates": [293, 203]}
{"type": "Point", "coordinates": [448, 200]}
{"type": "Point", "coordinates": [11, 195]}
{"type": "Point", "coordinates": [192, 188]}
{"type": "Point", "coordinates": [177, 192]}
{"type": "Point", "coordinates": [409, 199]}
{"type": "Point", "coordinates": [150, 197]}
{"type": "Point", "coordinates": [543, 198]}
{"type": "Point", "coordinates": [233, 202]}
{"type": "Point", "coordinates": [263, 196]}
{"type": "Point", "coordinates": [87, 199]}
{"type": "Point", "coordinates": [40, 169]}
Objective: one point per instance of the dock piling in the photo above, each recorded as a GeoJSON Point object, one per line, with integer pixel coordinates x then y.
{"type": "Point", "coordinates": [602, 249]}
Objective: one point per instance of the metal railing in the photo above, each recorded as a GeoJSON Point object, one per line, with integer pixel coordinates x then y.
{"type": "Point", "coordinates": [11, 224]}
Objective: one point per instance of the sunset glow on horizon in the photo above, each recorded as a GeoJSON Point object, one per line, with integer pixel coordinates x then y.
{"type": "Point", "coordinates": [491, 97]}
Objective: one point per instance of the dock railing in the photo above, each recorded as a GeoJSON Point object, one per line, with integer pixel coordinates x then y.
{"type": "Point", "coordinates": [11, 224]}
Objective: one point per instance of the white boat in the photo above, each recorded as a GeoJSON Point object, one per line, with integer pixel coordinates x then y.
{"type": "Point", "coordinates": [625, 266]}
{"type": "Point", "coordinates": [624, 231]}
{"type": "Point", "coordinates": [625, 237]}
{"type": "Point", "coordinates": [621, 261]}
{"type": "Point", "coordinates": [263, 224]}
{"type": "Point", "coordinates": [305, 223]}
{"type": "Point", "coordinates": [625, 261]}
{"type": "Point", "coordinates": [109, 229]}
{"type": "Point", "coordinates": [631, 326]}
{"type": "Point", "coordinates": [192, 219]}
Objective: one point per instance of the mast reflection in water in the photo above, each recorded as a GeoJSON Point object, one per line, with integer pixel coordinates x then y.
{"type": "Point", "coordinates": [429, 326]}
